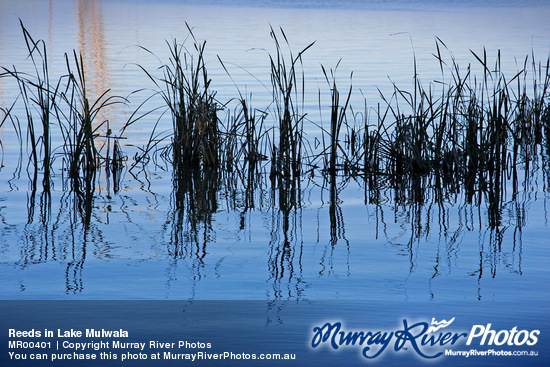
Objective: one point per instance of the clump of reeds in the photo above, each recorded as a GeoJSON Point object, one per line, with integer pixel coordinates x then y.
{"type": "Point", "coordinates": [372, 142]}
{"type": "Point", "coordinates": [408, 146]}
{"type": "Point", "coordinates": [185, 88]}
{"type": "Point", "coordinates": [38, 96]}
{"type": "Point", "coordinates": [244, 135]}
{"type": "Point", "coordinates": [288, 98]}
{"type": "Point", "coordinates": [79, 124]}
{"type": "Point", "coordinates": [62, 106]}
{"type": "Point", "coordinates": [466, 130]}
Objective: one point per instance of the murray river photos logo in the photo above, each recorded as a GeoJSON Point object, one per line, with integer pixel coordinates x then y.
{"type": "Point", "coordinates": [427, 340]}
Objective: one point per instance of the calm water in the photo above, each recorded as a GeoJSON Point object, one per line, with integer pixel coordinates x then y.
{"type": "Point", "coordinates": [239, 243]}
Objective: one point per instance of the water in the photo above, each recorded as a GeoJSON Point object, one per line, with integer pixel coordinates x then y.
{"type": "Point", "coordinates": [380, 246]}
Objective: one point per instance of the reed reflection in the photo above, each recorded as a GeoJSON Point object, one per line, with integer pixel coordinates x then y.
{"type": "Point", "coordinates": [60, 236]}
{"type": "Point", "coordinates": [194, 204]}
{"type": "Point", "coordinates": [286, 240]}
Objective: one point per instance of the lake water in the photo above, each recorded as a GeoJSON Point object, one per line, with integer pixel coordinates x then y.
{"type": "Point", "coordinates": [363, 245]}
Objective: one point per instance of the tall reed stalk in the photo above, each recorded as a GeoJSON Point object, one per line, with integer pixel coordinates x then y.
{"type": "Point", "coordinates": [338, 118]}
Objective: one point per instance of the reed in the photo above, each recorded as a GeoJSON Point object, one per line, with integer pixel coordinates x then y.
{"type": "Point", "coordinates": [338, 117]}
{"type": "Point", "coordinates": [8, 117]}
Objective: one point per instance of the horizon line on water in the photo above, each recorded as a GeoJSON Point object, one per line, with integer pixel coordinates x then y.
{"type": "Point", "coordinates": [395, 5]}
